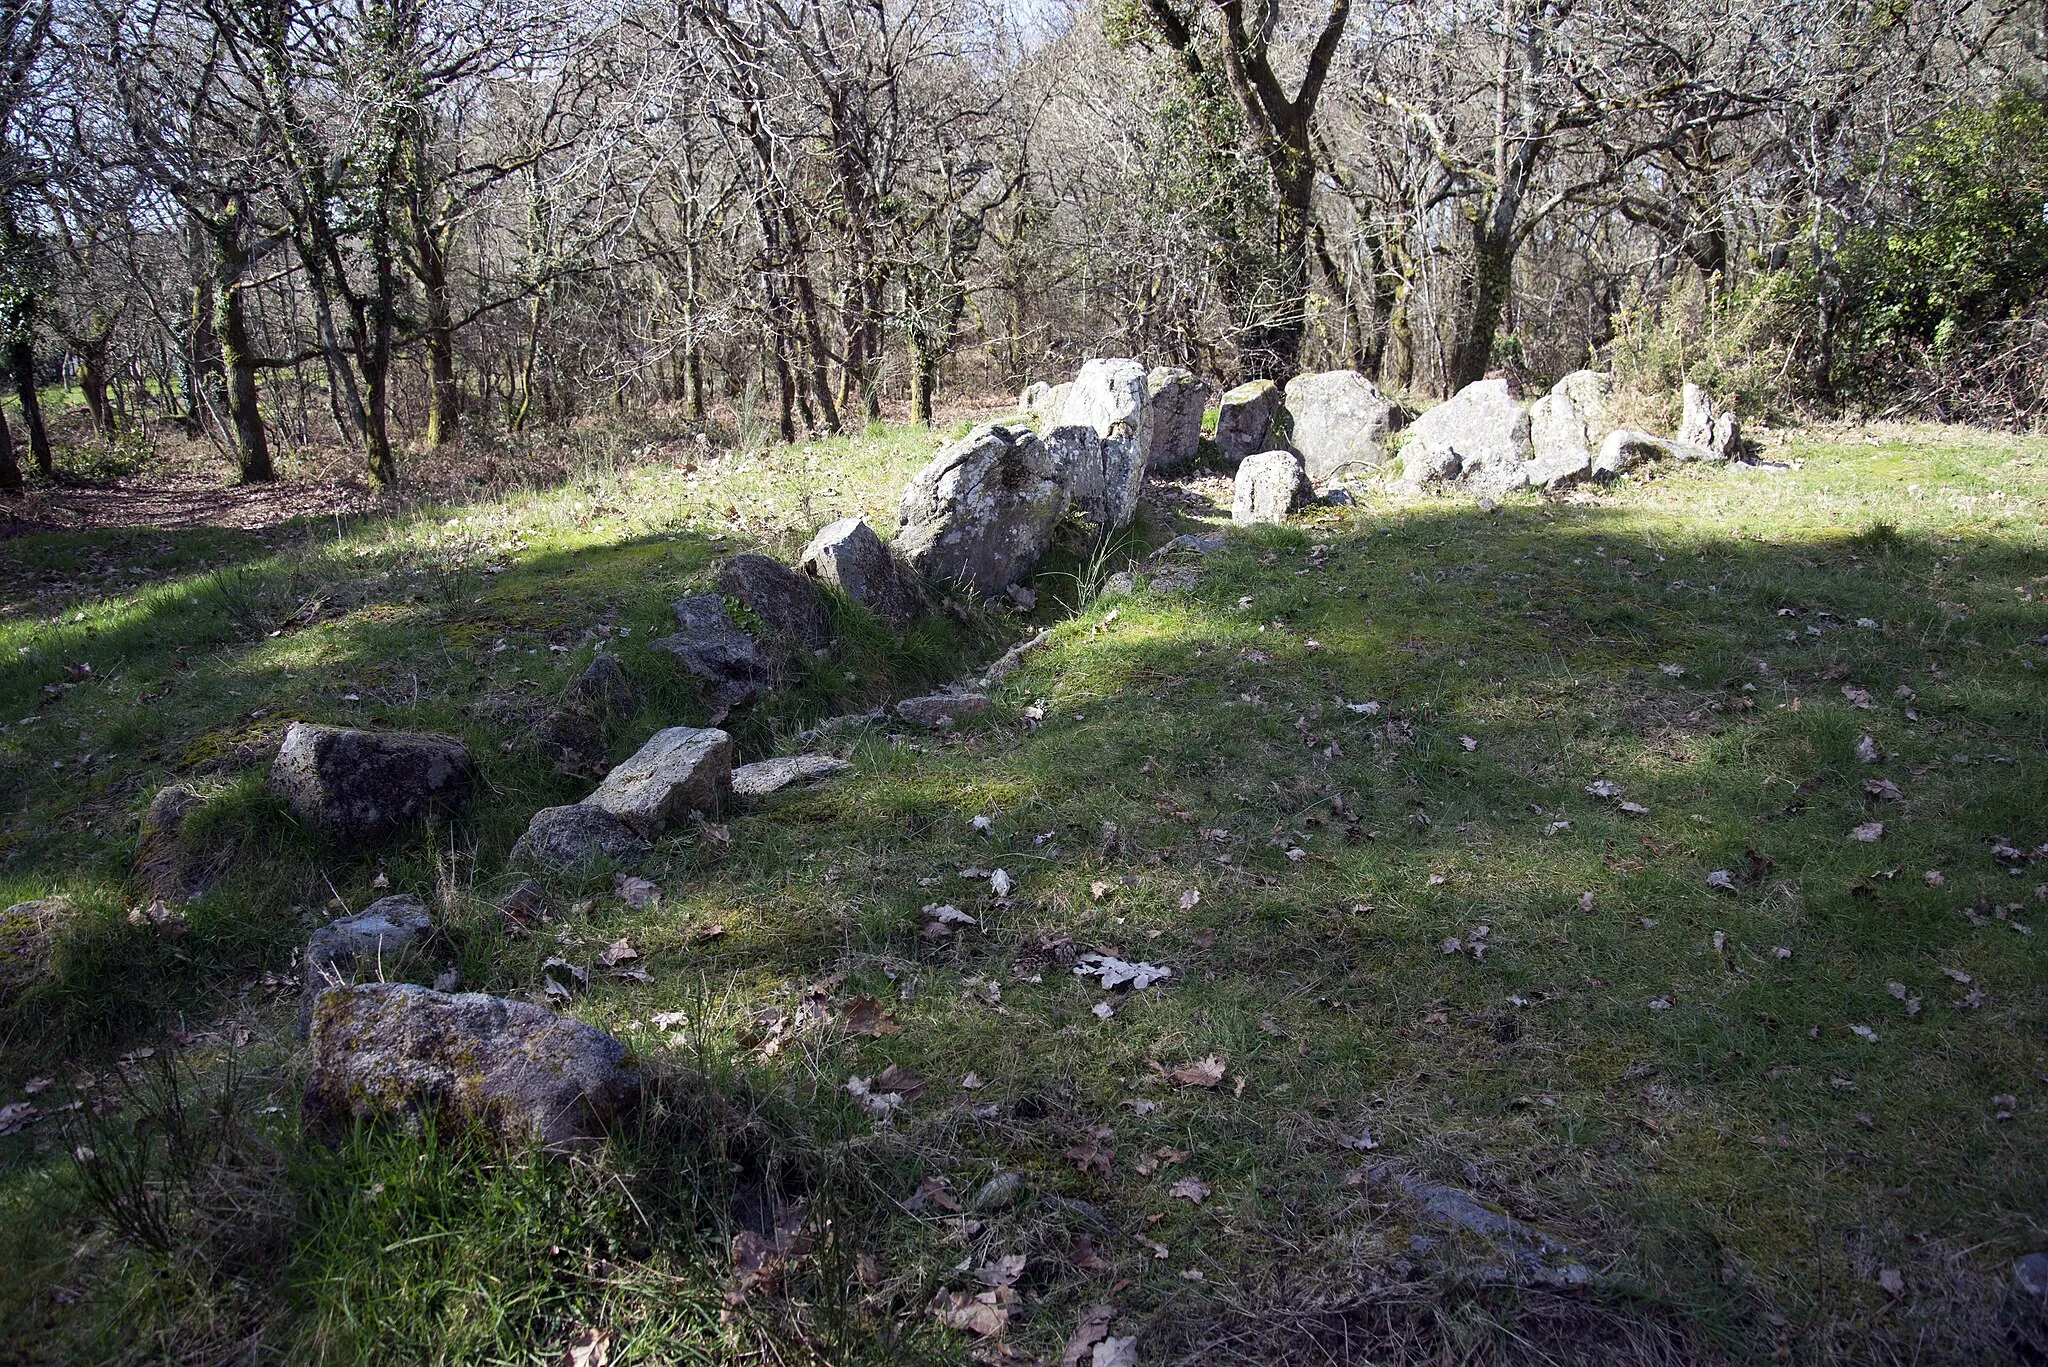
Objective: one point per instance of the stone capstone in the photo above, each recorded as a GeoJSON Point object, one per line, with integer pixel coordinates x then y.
{"type": "Point", "coordinates": [787, 603]}
{"type": "Point", "coordinates": [1339, 421]}
{"type": "Point", "coordinates": [1478, 438]}
{"type": "Point", "coordinates": [713, 647]}
{"type": "Point", "coordinates": [1176, 398]}
{"type": "Point", "coordinates": [680, 770]}
{"type": "Point", "coordinates": [983, 511]}
{"type": "Point", "coordinates": [848, 555]}
{"type": "Point", "coordinates": [573, 836]}
{"type": "Point", "coordinates": [28, 932]}
{"type": "Point", "coordinates": [601, 692]}
{"type": "Point", "coordinates": [765, 776]}
{"type": "Point", "coordinates": [1270, 485]}
{"type": "Point", "coordinates": [1244, 420]}
{"type": "Point", "coordinates": [513, 1068]}
{"type": "Point", "coordinates": [364, 786]}
{"type": "Point", "coordinates": [376, 940]}
{"type": "Point", "coordinates": [937, 711]}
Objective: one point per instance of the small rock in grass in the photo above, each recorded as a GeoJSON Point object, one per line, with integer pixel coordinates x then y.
{"type": "Point", "coordinates": [765, 776]}
{"type": "Point", "coordinates": [1270, 486]}
{"type": "Point", "coordinates": [363, 786]}
{"type": "Point", "coordinates": [28, 931]}
{"type": "Point", "coordinates": [568, 837]}
{"type": "Point", "coordinates": [376, 939]}
{"type": "Point", "coordinates": [601, 692]}
{"type": "Point", "coordinates": [516, 1069]}
{"type": "Point", "coordinates": [940, 710]}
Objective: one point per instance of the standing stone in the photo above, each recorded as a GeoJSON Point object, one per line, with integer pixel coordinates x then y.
{"type": "Point", "coordinates": [849, 556]}
{"type": "Point", "coordinates": [1558, 435]}
{"type": "Point", "coordinates": [577, 835]}
{"type": "Point", "coordinates": [1589, 391]}
{"type": "Point", "coordinates": [1480, 437]}
{"type": "Point", "coordinates": [1104, 475]}
{"type": "Point", "coordinates": [1105, 478]}
{"type": "Point", "coordinates": [516, 1069]}
{"type": "Point", "coordinates": [601, 692]}
{"type": "Point", "coordinates": [363, 786]}
{"type": "Point", "coordinates": [1177, 398]}
{"type": "Point", "coordinates": [1706, 426]}
{"type": "Point", "coordinates": [787, 603]}
{"type": "Point", "coordinates": [376, 940]}
{"type": "Point", "coordinates": [983, 512]}
{"type": "Point", "coordinates": [680, 770]}
{"type": "Point", "coordinates": [1048, 406]}
{"type": "Point", "coordinates": [162, 868]}
{"type": "Point", "coordinates": [1270, 485]}
{"type": "Point", "coordinates": [712, 647]}
{"type": "Point", "coordinates": [1244, 420]}
{"type": "Point", "coordinates": [1339, 422]}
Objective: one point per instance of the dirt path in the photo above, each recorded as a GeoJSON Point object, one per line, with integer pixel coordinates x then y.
{"type": "Point", "coordinates": [174, 501]}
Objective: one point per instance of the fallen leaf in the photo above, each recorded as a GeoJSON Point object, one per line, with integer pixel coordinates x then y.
{"type": "Point", "coordinates": [1675, 671]}
{"type": "Point", "coordinates": [1660, 1003]}
{"type": "Point", "coordinates": [1092, 1154]}
{"type": "Point", "coordinates": [1189, 898]}
{"type": "Point", "coordinates": [1085, 1255]}
{"type": "Point", "coordinates": [1721, 878]}
{"type": "Point", "coordinates": [1606, 788]}
{"type": "Point", "coordinates": [1092, 1330]}
{"type": "Point", "coordinates": [972, 1083]}
{"type": "Point", "coordinates": [900, 1081]}
{"type": "Point", "coordinates": [1864, 1033]}
{"type": "Point", "coordinates": [878, 1103]}
{"type": "Point", "coordinates": [16, 1115]}
{"type": "Point", "coordinates": [1585, 901]}
{"type": "Point", "coordinates": [865, 1016]}
{"type": "Point", "coordinates": [1115, 1352]}
{"type": "Point", "coordinates": [1004, 1271]}
{"type": "Point", "coordinates": [1099, 890]}
{"type": "Point", "coordinates": [975, 1313]}
{"type": "Point", "coordinates": [35, 1085]}
{"type": "Point", "coordinates": [1891, 1283]}
{"type": "Point", "coordinates": [1957, 975]}
{"type": "Point", "coordinates": [999, 883]}
{"type": "Point", "coordinates": [1869, 833]}
{"type": "Point", "coordinates": [1858, 697]}
{"type": "Point", "coordinates": [636, 893]}
{"type": "Point", "coordinates": [590, 1348]}
{"type": "Point", "coordinates": [617, 952]}
{"type": "Point", "coordinates": [1192, 1189]}
{"type": "Point", "coordinates": [1933, 878]}
{"type": "Point", "coordinates": [1866, 751]}
{"type": "Point", "coordinates": [1115, 972]}
{"type": "Point", "coordinates": [1469, 744]}
{"type": "Point", "coordinates": [1635, 809]}
{"type": "Point", "coordinates": [1202, 1073]}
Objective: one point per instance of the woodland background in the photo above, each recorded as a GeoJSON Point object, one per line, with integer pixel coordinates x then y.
{"type": "Point", "coordinates": [287, 224]}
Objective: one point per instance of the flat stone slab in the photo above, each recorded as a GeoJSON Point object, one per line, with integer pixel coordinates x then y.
{"type": "Point", "coordinates": [940, 710]}
{"type": "Point", "coordinates": [516, 1069]}
{"type": "Point", "coordinates": [765, 776]}
{"type": "Point", "coordinates": [680, 770]}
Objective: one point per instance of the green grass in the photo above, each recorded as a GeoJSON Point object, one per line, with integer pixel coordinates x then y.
{"type": "Point", "coordinates": [1739, 1165]}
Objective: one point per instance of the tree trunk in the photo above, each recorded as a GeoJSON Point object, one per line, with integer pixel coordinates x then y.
{"type": "Point", "coordinates": [21, 360]}
{"type": "Point", "coordinates": [10, 468]}
{"type": "Point", "coordinates": [245, 417]}
{"type": "Point", "coordinates": [1493, 257]}
{"type": "Point", "coordinates": [92, 383]}
{"type": "Point", "coordinates": [924, 377]}
{"type": "Point", "coordinates": [444, 409]}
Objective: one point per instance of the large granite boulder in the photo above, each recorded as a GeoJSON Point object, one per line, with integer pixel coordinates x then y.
{"type": "Point", "coordinates": [680, 770]}
{"type": "Point", "coordinates": [516, 1069]}
{"type": "Point", "coordinates": [378, 939]}
{"type": "Point", "coordinates": [1478, 438]}
{"type": "Point", "coordinates": [1339, 421]}
{"type": "Point", "coordinates": [1270, 485]}
{"type": "Point", "coordinates": [1706, 426]}
{"type": "Point", "coordinates": [364, 786]}
{"type": "Point", "coordinates": [164, 869]}
{"type": "Point", "coordinates": [712, 646]}
{"type": "Point", "coordinates": [1176, 398]}
{"type": "Point", "coordinates": [575, 837]}
{"type": "Point", "coordinates": [1244, 420]}
{"type": "Point", "coordinates": [28, 932]}
{"type": "Point", "coordinates": [848, 555]}
{"type": "Point", "coordinates": [787, 603]}
{"type": "Point", "coordinates": [983, 511]}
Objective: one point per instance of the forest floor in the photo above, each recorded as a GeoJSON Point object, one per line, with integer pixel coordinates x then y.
{"type": "Point", "coordinates": [1526, 854]}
